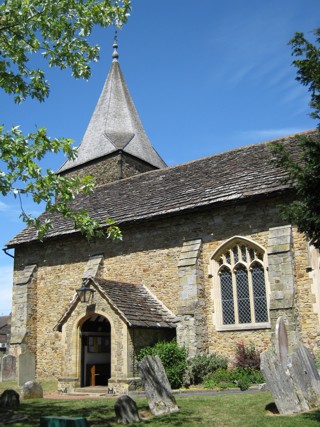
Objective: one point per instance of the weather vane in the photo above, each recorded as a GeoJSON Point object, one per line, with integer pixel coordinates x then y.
{"type": "Point", "coordinates": [115, 54]}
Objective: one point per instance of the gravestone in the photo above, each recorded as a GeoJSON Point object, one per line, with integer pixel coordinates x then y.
{"type": "Point", "coordinates": [126, 410]}
{"type": "Point", "coordinates": [156, 386]}
{"type": "Point", "coordinates": [281, 341]}
{"type": "Point", "coordinates": [292, 379]}
{"type": "Point", "coordinates": [9, 399]}
{"type": "Point", "coordinates": [27, 368]}
{"type": "Point", "coordinates": [8, 368]}
{"type": "Point", "coordinates": [31, 390]}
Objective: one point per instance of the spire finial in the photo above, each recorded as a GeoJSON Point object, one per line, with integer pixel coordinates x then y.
{"type": "Point", "coordinates": [115, 54]}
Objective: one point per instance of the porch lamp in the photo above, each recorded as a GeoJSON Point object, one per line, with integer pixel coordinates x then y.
{"type": "Point", "coordinates": [85, 292]}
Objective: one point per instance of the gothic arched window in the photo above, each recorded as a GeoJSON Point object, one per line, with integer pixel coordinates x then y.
{"type": "Point", "coordinates": [240, 286]}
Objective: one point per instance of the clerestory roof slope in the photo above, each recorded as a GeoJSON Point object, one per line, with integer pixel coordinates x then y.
{"type": "Point", "coordinates": [115, 125]}
{"type": "Point", "coordinates": [229, 177]}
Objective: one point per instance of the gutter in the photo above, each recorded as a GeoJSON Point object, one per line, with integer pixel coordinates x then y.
{"type": "Point", "coordinates": [5, 251]}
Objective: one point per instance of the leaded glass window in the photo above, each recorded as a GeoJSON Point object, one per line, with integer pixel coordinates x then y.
{"type": "Point", "coordinates": [227, 296]}
{"type": "Point", "coordinates": [242, 285]}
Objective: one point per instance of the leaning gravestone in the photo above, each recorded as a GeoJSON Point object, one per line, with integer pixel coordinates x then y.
{"type": "Point", "coordinates": [282, 346]}
{"type": "Point", "coordinates": [156, 386]}
{"type": "Point", "coordinates": [27, 368]}
{"type": "Point", "coordinates": [8, 368]}
{"type": "Point", "coordinates": [293, 379]}
{"type": "Point", "coordinates": [126, 410]}
{"type": "Point", "coordinates": [31, 390]}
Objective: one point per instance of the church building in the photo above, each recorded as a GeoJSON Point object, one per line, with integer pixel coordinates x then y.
{"type": "Point", "coordinates": [206, 257]}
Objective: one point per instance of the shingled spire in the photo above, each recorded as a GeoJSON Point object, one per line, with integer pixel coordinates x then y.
{"type": "Point", "coordinates": [115, 129]}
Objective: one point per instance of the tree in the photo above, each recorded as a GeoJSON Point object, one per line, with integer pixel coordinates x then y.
{"type": "Point", "coordinates": [60, 32]}
{"type": "Point", "coordinates": [304, 173]}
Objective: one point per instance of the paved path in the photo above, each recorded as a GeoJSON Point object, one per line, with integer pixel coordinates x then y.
{"type": "Point", "coordinates": [89, 394]}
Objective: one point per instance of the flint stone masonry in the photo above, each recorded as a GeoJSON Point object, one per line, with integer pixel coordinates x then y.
{"type": "Point", "coordinates": [8, 368]}
{"type": "Point", "coordinates": [156, 386]}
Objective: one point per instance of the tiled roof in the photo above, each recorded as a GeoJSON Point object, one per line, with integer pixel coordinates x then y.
{"type": "Point", "coordinates": [232, 176]}
{"type": "Point", "coordinates": [133, 302]}
{"type": "Point", "coordinates": [137, 305]}
{"type": "Point", "coordinates": [4, 320]}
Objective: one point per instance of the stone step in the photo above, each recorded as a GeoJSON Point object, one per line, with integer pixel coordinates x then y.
{"type": "Point", "coordinates": [92, 390]}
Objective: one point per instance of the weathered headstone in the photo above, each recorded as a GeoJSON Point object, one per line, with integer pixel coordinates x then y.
{"type": "Point", "coordinates": [9, 399]}
{"type": "Point", "coordinates": [27, 368]}
{"type": "Point", "coordinates": [156, 386]}
{"type": "Point", "coordinates": [281, 340]}
{"type": "Point", "coordinates": [293, 379]}
{"type": "Point", "coordinates": [126, 410]}
{"type": "Point", "coordinates": [8, 368]}
{"type": "Point", "coordinates": [279, 384]}
{"type": "Point", "coordinates": [305, 376]}
{"type": "Point", "coordinates": [31, 390]}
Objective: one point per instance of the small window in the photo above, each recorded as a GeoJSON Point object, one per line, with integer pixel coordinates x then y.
{"type": "Point", "coordinates": [241, 286]}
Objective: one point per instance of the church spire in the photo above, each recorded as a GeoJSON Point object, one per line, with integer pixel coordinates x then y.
{"type": "Point", "coordinates": [115, 126]}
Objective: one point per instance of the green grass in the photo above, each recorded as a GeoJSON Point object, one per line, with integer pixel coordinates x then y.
{"type": "Point", "coordinates": [49, 386]}
{"type": "Point", "coordinates": [222, 410]}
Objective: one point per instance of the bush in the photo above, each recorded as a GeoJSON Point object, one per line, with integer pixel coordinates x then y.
{"type": "Point", "coordinates": [248, 366]}
{"type": "Point", "coordinates": [199, 367]}
{"type": "Point", "coordinates": [238, 377]}
{"type": "Point", "coordinates": [172, 357]}
{"type": "Point", "coordinates": [247, 356]}
{"type": "Point", "coordinates": [221, 378]}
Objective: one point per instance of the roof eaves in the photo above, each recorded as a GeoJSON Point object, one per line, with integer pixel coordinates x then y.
{"type": "Point", "coordinates": [246, 196]}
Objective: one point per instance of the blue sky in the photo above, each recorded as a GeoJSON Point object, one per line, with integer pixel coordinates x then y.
{"type": "Point", "coordinates": [205, 76]}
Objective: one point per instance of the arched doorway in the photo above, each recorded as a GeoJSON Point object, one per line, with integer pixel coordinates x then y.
{"type": "Point", "coordinates": [95, 351]}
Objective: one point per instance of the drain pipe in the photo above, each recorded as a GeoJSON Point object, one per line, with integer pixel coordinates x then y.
{"type": "Point", "coordinates": [5, 251]}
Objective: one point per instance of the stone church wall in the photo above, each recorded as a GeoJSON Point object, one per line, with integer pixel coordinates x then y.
{"type": "Point", "coordinates": [150, 254]}
{"type": "Point", "coordinates": [111, 168]}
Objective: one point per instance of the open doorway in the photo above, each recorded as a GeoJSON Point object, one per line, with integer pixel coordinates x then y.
{"type": "Point", "coordinates": [95, 351]}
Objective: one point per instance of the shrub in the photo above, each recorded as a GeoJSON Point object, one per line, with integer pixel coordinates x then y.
{"type": "Point", "coordinates": [247, 356]}
{"type": "Point", "coordinates": [202, 365]}
{"type": "Point", "coordinates": [172, 357]}
{"type": "Point", "coordinates": [221, 378]}
{"type": "Point", "coordinates": [237, 377]}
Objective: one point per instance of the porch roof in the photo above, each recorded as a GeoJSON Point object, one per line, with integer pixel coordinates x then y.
{"type": "Point", "coordinates": [135, 304]}
{"type": "Point", "coordinates": [138, 306]}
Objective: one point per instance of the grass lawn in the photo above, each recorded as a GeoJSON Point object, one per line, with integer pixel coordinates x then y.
{"type": "Point", "coordinates": [225, 410]}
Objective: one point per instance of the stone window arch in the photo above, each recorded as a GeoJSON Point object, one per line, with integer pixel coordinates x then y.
{"type": "Point", "coordinates": [240, 285]}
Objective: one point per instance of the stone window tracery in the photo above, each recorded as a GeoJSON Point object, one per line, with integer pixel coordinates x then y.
{"type": "Point", "coordinates": [240, 286]}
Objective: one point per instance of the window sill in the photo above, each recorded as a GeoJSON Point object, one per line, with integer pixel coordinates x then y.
{"type": "Point", "coordinates": [243, 327]}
